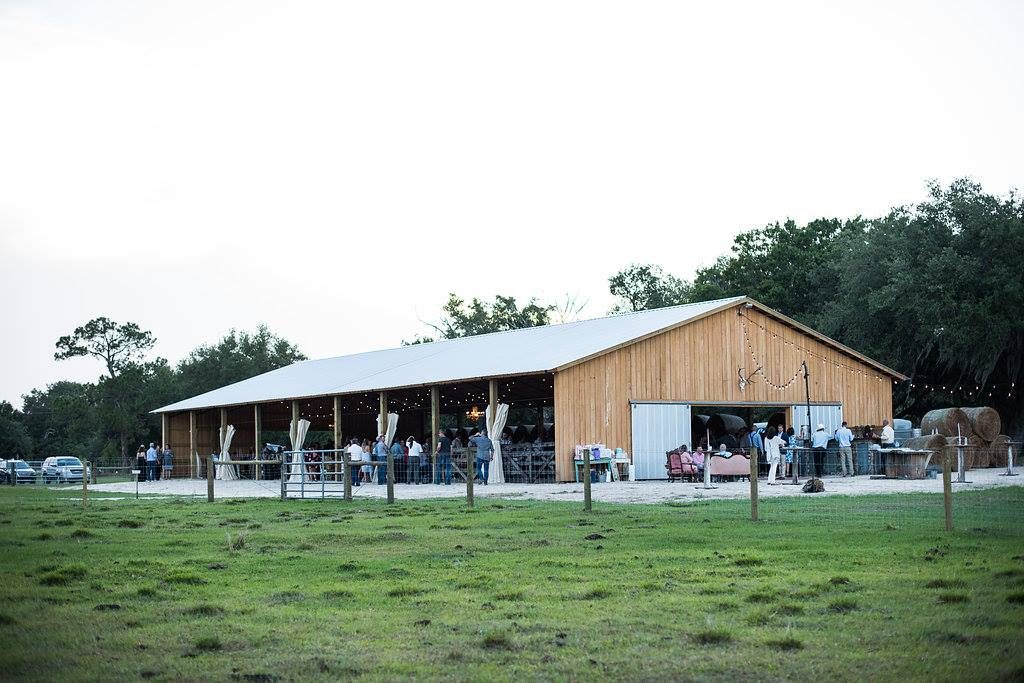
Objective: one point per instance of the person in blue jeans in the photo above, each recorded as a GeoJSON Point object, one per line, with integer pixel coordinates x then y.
{"type": "Point", "coordinates": [484, 455]}
{"type": "Point", "coordinates": [151, 463]}
{"type": "Point", "coordinates": [443, 461]}
{"type": "Point", "coordinates": [380, 458]}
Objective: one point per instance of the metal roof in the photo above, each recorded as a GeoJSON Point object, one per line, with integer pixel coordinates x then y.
{"type": "Point", "coordinates": [516, 352]}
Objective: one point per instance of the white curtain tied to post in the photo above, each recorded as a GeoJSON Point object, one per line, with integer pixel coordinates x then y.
{"type": "Point", "coordinates": [226, 472]}
{"type": "Point", "coordinates": [297, 432]}
{"type": "Point", "coordinates": [389, 435]}
{"type": "Point", "coordinates": [495, 426]}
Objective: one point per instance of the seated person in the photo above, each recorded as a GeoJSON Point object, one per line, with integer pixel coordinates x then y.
{"type": "Point", "coordinates": [723, 452]}
{"type": "Point", "coordinates": [697, 457]}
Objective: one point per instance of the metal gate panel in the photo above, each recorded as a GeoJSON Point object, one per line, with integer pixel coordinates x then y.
{"type": "Point", "coordinates": [829, 415]}
{"type": "Point", "coordinates": [657, 428]}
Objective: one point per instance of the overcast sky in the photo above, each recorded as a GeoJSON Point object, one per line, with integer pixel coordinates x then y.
{"type": "Point", "coordinates": [334, 169]}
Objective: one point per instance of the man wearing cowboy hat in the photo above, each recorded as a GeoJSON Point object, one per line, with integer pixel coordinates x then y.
{"type": "Point", "coordinates": [819, 442]}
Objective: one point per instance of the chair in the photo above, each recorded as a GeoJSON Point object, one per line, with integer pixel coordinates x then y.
{"type": "Point", "coordinates": [674, 466]}
{"type": "Point", "coordinates": [690, 470]}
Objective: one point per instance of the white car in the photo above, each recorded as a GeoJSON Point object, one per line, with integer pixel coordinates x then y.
{"type": "Point", "coordinates": [62, 469]}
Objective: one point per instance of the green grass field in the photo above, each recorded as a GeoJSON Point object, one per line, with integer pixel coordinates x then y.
{"type": "Point", "coordinates": [263, 590]}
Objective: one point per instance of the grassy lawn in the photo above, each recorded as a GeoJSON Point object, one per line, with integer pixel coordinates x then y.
{"type": "Point", "coordinates": [263, 590]}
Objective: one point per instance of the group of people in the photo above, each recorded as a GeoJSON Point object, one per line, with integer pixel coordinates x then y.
{"type": "Point", "coordinates": [369, 460]}
{"type": "Point", "coordinates": [153, 462]}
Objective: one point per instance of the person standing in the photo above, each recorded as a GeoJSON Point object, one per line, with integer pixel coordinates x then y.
{"type": "Point", "coordinates": [844, 437]}
{"type": "Point", "coordinates": [355, 457]}
{"type": "Point", "coordinates": [773, 453]}
{"type": "Point", "coordinates": [887, 439]}
{"type": "Point", "coordinates": [484, 455]}
{"type": "Point", "coordinates": [380, 457]}
{"type": "Point", "coordinates": [168, 462]}
{"type": "Point", "coordinates": [140, 463]}
{"type": "Point", "coordinates": [819, 443]}
{"type": "Point", "coordinates": [415, 451]}
{"type": "Point", "coordinates": [151, 463]}
{"type": "Point", "coordinates": [443, 463]}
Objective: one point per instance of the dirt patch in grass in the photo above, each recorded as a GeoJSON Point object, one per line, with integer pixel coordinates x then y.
{"type": "Point", "coordinates": [62, 576]}
{"type": "Point", "coordinates": [204, 609]}
{"type": "Point", "coordinates": [842, 606]}
{"type": "Point", "coordinates": [713, 636]}
{"type": "Point", "coordinates": [787, 644]}
{"type": "Point", "coordinates": [207, 644]}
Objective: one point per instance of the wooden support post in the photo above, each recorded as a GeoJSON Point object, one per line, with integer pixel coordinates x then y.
{"type": "Point", "coordinates": [586, 479]}
{"type": "Point", "coordinates": [257, 421]}
{"type": "Point", "coordinates": [192, 444]}
{"type": "Point", "coordinates": [85, 482]}
{"type": "Point", "coordinates": [284, 477]}
{"type": "Point", "coordinates": [163, 431]}
{"type": "Point", "coordinates": [435, 427]}
{"type": "Point", "coordinates": [346, 475]}
{"type": "Point", "coordinates": [947, 491]}
{"type": "Point", "coordinates": [753, 484]}
{"type": "Point", "coordinates": [209, 479]}
{"type": "Point", "coordinates": [338, 446]}
{"type": "Point", "coordinates": [391, 460]}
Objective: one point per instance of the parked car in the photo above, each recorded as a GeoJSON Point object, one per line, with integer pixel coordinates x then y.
{"type": "Point", "coordinates": [24, 473]}
{"type": "Point", "coordinates": [62, 469]}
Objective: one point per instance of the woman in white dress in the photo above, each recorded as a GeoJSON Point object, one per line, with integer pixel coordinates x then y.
{"type": "Point", "coordinates": [773, 452]}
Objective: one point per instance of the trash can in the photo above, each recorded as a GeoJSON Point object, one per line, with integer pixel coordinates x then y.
{"type": "Point", "coordinates": [862, 457]}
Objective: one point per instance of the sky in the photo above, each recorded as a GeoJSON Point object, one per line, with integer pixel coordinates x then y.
{"type": "Point", "coordinates": [334, 169]}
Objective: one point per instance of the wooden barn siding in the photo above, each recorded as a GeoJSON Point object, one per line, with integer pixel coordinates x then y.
{"type": "Point", "coordinates": [177, 437]}
{"type": "Point", "coordinates": [699, 362]}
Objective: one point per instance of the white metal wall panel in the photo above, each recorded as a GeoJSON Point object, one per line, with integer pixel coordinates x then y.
{"type": "Point", "coordinates": [829, 415]}
{"type": "Point", "coordinates": [657, 428]}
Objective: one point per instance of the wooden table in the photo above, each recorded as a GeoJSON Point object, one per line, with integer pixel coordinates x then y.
{"type": "Point", "coordinates": [904, 463]}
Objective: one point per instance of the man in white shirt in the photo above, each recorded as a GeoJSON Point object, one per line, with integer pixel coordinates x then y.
{"type": "Point", "coordinates": [888, 440]}
{"type": "Point", "coordinates": [844, 437]}
{"type": "Point", "coordinates": [819, 442]}
{"type": "Point", "coordinates": [355, 456]}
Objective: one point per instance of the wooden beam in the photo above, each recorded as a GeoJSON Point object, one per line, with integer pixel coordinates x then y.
{"type": "Point", "coordinates": [295, 413]}
{"type": "Point", "coordinates": [384, 430]}
{"type": "Point", "coordinates": [257, 434]}
{"type": "Point", "coordinates": [337, 436]}
{"type": "Point", "coordinates": [435, 427]}
{"type": "Point", "coordinates": [163, 430]}
{"type": "Point", "coordinates": [492, 402]}
{"type": "Point", "coordinates": [192, 444]}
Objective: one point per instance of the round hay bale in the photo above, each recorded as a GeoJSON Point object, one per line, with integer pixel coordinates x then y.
{"type": "Point", "coordinates": [945, 421]}
{"type": "Point", "coordinates": [725, 423]}
{"type": "Point", "coordinates": [984, 421]}
{"type": "Point", "coordinates": [997, 451]}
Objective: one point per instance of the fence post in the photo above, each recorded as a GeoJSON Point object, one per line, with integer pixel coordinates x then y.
{"type": "Point", "coordinates": [92, 472]}
{"type": "Point", "coordinates": [470, 474]}
{"type": "Point", "coordinates": [947, 491]}
{"type": "Point", "coordinates": [391, 477]}
{"type": "Point", "coordinates": [85, 483]}
{"type": "Point", "coordinates": [209, 479]}
{"type": "Point", "coordinates": [284, 476]}
{"type": "Point", "coordinates": [753, 484]}
{"type": "Point", "coordinates": [586, 479]}
{"type": "Point", "coordinates": [346, 475]}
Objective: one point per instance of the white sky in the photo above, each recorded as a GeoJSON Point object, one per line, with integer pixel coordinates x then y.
{"type": "Point", "coordinates": [334, 169]}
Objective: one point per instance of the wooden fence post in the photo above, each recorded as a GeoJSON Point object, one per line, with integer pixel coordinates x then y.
{"type": "Point", "coordinates": [85, 482]}
{"type": "Point", "coordinates": [586, 479]}
{"type": "Point", "coordinates": [753, 484]}
{"type": "Point", "coordinates": [470, 474]}
{"type": "Point", "coordinates": [210, 471]}
{"type": "Point", "coordinates": [346, 475]}
{"type": "Point", "coordinates": [284, 476]}
{"type": "Point", "coordinates": [947, 491]}
{"type": "Point", "coordinates": [391, 477]}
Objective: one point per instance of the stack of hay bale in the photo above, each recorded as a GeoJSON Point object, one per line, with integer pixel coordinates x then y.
{"type": "Point", "coordinates": [986, 447]}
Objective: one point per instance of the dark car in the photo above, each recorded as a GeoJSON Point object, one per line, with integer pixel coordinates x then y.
{"type": "Point", "coordinates": [23, 473]}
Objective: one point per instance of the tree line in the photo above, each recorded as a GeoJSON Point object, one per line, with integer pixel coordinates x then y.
{"type": "Point", "coordinates": [935, 290]}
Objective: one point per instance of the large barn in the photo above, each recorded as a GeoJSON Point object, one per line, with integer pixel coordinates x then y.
{"type": "Point", "coordinates": [643, 382]}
